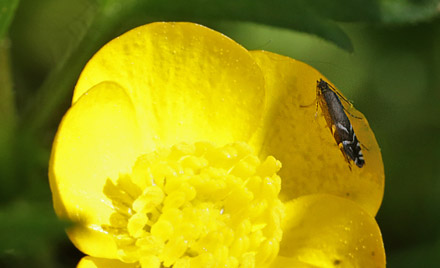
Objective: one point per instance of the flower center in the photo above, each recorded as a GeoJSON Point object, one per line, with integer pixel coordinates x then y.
{"type": "Point", "coordinates": [198, 206]}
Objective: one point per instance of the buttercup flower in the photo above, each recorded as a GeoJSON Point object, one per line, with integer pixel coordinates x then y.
{"type": "Point", "coordinates": [184, 149]}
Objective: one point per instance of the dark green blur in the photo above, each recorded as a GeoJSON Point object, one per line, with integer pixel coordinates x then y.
{"type": "Point", "coordinates": [384, 55]}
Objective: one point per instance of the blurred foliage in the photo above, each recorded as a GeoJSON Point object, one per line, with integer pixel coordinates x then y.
{"type": "Point", "coordinates": [392, 76]}
{"type": "Point", "coordinates": [7, 11]}
{"type": "Point", "coordinates": [408, 11]}
{"type": "Point", "coordinates": [29, 229]}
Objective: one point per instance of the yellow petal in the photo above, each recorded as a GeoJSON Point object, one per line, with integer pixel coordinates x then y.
{"type": "Point", "coordinates": [328, 231]}
{"type": "Point", "coordinates": [97, 139]}
{"type": "Point", "coordinates": [188, 83]}
{"type": "Point", "coordinates": [92, 262]}
{"type": "Point", "coordinates": [287, 262]}
{"type": "Point", "coordinates": [312, 161]}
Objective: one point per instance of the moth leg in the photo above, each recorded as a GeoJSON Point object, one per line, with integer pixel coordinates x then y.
{"type": "Point", "coordinates": [364, 147]}
{"type": "Point", "coordinates": [341, 148]}
{"type": "Point", "coordinates": [308, 105]}
{"type": "Point", "coordinates": [333, 130]}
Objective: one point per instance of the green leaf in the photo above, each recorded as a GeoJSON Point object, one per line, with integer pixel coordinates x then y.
{"type": "Point", "coordinates": [408, 11]}
{"type": "Point", "coordinates": [346, 10]}
{"type": "Point", "coordinates": [295, 15]}
{"type": "Point", "coordinates": [7, 11]}
{"type": "Point", "coordinates": [28, 228]}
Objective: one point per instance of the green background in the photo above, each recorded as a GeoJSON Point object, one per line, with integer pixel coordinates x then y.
{"type": "Point", "coordinates": [384, 55]}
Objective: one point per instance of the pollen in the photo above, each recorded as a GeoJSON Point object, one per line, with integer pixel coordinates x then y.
{"type": "Point", "coordinates": [197, 206]}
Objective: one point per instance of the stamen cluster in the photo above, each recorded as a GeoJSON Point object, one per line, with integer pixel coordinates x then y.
{"type": "Point", "coordinates": [198, 206]}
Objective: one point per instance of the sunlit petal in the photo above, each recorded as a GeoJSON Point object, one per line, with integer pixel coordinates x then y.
{"type": "Point", "coordinates": [188, 83]}
{"type": "Point", "coordinates": [312, 161]}
{"type": "Point", "coordinates": [329, 231]}
{"type": "Point", "coordinates": [92, 262]}
{"type": "Point", "coordinates": [97, 139]}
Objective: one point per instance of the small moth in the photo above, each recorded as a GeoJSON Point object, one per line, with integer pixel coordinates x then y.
{"type": "Point", "coordinates": [339, 123]}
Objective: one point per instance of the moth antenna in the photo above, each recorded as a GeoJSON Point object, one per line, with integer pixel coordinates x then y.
{"type": "Point", "coordinates": [341, 96]}
{"type": "Point", "coordinates": [352, 115]}
{"type": "Point", "coordinates": [346, 100]}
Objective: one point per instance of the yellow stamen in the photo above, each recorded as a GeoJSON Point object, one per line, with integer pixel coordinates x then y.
{"type": "Point", "coordinates": [198, 206]}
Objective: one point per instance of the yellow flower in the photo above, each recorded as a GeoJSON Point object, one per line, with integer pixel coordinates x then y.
{"type": "Point", "coordinates": [171, 153]}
